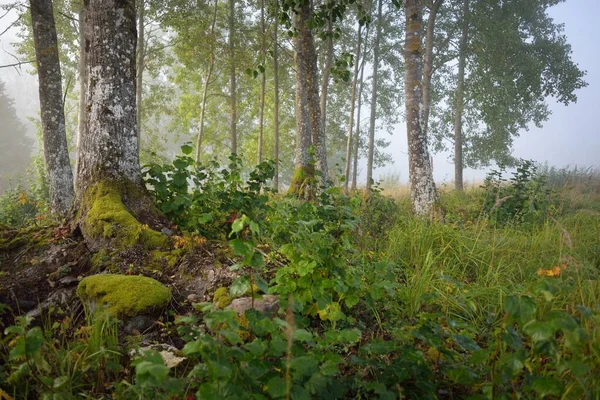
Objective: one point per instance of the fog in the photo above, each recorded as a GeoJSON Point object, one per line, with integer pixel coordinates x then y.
{"type": "Point", "coordinates": [569, 137]}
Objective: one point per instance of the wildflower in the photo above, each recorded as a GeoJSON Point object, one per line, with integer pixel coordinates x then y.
{"type": "Point", "coordinates": [552, 272]}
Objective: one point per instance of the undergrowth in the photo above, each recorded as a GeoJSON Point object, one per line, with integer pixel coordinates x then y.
{"type": "Point", "coordinates": [498, 301]}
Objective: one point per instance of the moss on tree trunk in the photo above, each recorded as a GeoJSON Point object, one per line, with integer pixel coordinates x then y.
{"type": "Point", "coordinates": [303, 182]}
{"type": "Point", "coordinates": [118, 215]}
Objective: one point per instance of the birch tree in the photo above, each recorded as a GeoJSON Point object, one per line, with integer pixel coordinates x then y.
{"type": "Point", "coordinates": [376, 49]}
{"type": "Point", "coordinates": [52, 113]}
{"type": "Point", "coordinates": [422, 186]}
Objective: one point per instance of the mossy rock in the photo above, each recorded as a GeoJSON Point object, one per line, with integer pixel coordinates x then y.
{"type": "Point", "coordinates": [124, 295]}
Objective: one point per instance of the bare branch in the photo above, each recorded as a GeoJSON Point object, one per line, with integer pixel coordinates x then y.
{"type": "Point", "coordinates": [18, 64]}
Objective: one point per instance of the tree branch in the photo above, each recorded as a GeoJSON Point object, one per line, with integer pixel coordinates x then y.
{"type": "Point", "coordinates": [18, 64]}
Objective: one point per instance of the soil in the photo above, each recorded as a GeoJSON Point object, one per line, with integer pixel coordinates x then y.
{"type": "Point", "coordinates": [40, 275]}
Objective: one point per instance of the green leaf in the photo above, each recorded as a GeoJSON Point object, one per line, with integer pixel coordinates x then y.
{"type": "Point", "coordinates": [303, 335]}
{"type": "Point", "coordinates": [520, 308]}
{"type": "Point", "coordinates": [538, 330]}
{"type": "Point", "coordinates": [512, 364]}
{"type": "Point", "coordinates": [351, 300]}
{"type": "Point", "coordinates": [257, 347]}
{"type": "Point", "coordinates": [304, 366]}
{"type": "Point", "coordinates": [237, 225]}
{"type": "Point", "coordinates": [545, 386]}
{"type": "Point", "coordinates": [240, 286]}
{"type": "Point", "coordinates": [241, 248]}
{"type": "Point", "coordinates": [186, 149]}
{"type": "Point", "coordinates": [276, 387]}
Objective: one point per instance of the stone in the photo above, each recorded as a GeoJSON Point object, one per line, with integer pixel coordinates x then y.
{"type": "Point", "coordinates": [124, 295]}
{"type": "Point", "coordinates": [268, 304]}
{"type": "Point", "coordinates": [167, 352]}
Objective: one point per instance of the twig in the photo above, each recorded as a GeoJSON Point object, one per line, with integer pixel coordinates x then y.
{"type": "Point", "coordinates": [18, 64]}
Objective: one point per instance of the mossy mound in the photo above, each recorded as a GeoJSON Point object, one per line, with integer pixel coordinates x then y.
{"type": "Point", "coordinates": [124, 295]}
{"type": "Point", "coordinates": [221, 298]}
{"type": "Point", "coordinates": [109, 220]}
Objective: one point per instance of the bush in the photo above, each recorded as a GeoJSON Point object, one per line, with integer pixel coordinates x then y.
{"type": "Point", "coordinates": [525, 198]}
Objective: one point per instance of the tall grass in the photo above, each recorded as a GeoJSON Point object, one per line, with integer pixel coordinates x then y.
{"type": "Point", "coordinates": [470, 266]}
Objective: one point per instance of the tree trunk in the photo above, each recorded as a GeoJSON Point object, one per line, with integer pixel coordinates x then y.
{"type": "Point", "coordinates": [114, 208]}
{"type": "Point", "coordinates": [352, 104]}
{"type": "Point", "coordinates": [460, 92]}
{"type": "Point", "coordinates": [422, 185]}
{"type": "Point", "coordinates": [325, 79]}
{"type": "Point", "coordinates": [56, 153]}
{"type": "Point", "coordinates": [374, 99]}
{"type": "Point", "coordinates": [211, 66]}
{"type": "Point", "coordinates": [304, 170]}
{"type": "Point", "coordinates": [276, 99]}
{"type": "Point", "coordinates": [82, 113]}
{"type": "Point", "coordinates": [356, 142]}
{"type": "Point", "coordinates": [308, 112]}
{"type": "Point", "coordinates": [263, 82]}
{"type": "Point", "coordinates": [428, 65]}
{"type": "Point", "coordinates": [141, 55]}
{"type": "Point", "coordinates": [232, 77]}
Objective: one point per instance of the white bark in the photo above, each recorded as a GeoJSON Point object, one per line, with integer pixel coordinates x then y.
{"type": "Point", "coordinates": [232, 77]}
{"type": "Point", "coordinates": [141, 58]}
{"type": "Point", "coordinates": [350, 142]}
{"type": "Point", "coordinates": [374, 98]}
{"type": "Point", "coordinates": [423, 190]}
{"type": "Point", "coordinates": [263, 82]}
{"type": "Point", "coordinates": [276, 99]}
{"type": "Point", "coordinates": [109, 144]}
{"type": "Point", "coordinates": [56, 153]}
{"type": "Point", "coordinates": [207, 78]}
{"type": "Point", "coordinates": [460, 92]}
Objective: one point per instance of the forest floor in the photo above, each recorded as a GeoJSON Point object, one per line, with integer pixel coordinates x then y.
{"type": "Point", "coordinates": [356, 299]}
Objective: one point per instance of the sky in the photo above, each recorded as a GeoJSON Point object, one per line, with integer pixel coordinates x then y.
{"type": "Point", "coordinates": [571, 136]}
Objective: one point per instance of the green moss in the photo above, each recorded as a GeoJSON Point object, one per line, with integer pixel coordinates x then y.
{"type": "Point", "coordinates": [222, 298]}
{"type": "Point", "coordinates": [124, 295]}
{"type": "Point", "coordinates": [159, 259]}
{"type": "Point", "coordinates": [107, 218]}
{"type": "Point", "coordinates": [302, 184]}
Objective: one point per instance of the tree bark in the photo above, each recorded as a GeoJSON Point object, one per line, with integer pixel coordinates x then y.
{"type": "Point", "coordinates": [263, 82]}
{"type": "Point", "coordinates": [141, 56]}
{"type": "Point", "coordinates": [232, 77]}
{"type": "Point", "coordinates": [422, 185]}
{"type": "Point", "coordinates": [352, 105]}
{"type": "Point", "coordinates": [276, 99]}
{"type": "Point", "coordinates": [325, 79]}
{"type": "Point", "coordinates": [374, 98]}
{"type": "Point", "coordinates": [428, 65]}
{"type": "Point", "coordinates": [114, 208]}
{"type": "Point", "coordinates": [82, 113]}
{"type": "Point", "coordinates": [211, 66]}
{"type": "Point", "coordinates": [356, 142]}
{"type": "Point", "coordinates": [56, 153]}
{"type": "Point", "coordinates": [460, 92]}
{"type": "Point", "coordinates": [308, 111]}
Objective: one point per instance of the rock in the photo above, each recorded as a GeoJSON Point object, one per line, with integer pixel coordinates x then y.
{"type": "Point", "coordinates": [59, 298]}
{"type": "Point", "coordinates": [166, 231]}
{"type": "Point", "coordinates": [67, 280]}
{"type": "Point", "coordinates": [167, 352]}
{"type": "Point", "coordinates": [138, 324]}
{"type": "Point", "coordinates": [268, 304]}
{"type": "Point", "coordinates": [124, 295]}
